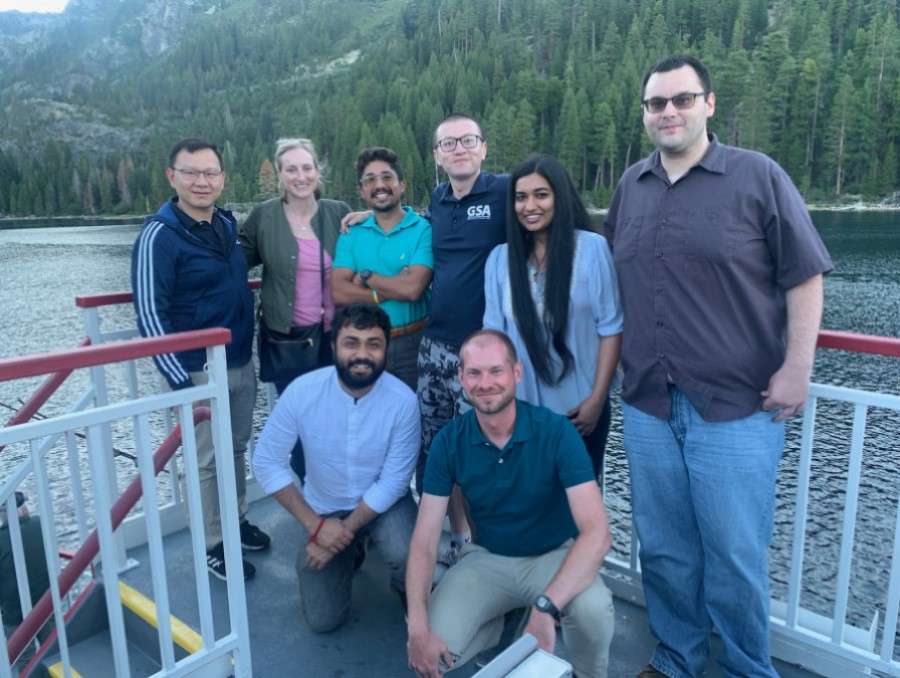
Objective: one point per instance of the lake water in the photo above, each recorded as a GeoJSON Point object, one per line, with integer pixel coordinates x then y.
{"type": "Point", "coordinates": [43, 270]}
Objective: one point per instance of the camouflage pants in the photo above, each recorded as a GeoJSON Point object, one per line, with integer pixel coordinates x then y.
{"type": "Point", "coordinates": [441, 397]}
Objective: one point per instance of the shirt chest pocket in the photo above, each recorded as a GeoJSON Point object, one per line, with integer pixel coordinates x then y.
{"type": "Point", "coordinates": [710, 237]}
{"type": "Point", "coordinates": [627, 238]}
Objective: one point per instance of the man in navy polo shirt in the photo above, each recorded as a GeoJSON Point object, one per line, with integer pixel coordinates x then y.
{"type": "Point", "coordinates": [468, 219]}
{"type": "Point", "coordinates": [541, 527]}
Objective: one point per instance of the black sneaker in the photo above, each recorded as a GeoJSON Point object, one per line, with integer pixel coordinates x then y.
{"type": "Point", "coordinates": [215, 563]}
{"type": "Point", "coordinates": [253, 538]}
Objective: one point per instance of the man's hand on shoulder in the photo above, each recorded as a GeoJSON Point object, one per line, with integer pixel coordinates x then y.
{"type": "Point", "coordinates": [787, 391]}
{"type": "Point", "coordinates": [543, 627]}
{"type": "Point", "coordinates": [425, 649]}
{"type": "Point", "coordinates": [354, 218]}
{"type": "Point", "coordinates": [334, 536]}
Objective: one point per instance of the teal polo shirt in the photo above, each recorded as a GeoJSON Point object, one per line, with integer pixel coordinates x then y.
{"type": "Point", "coordinates": [366, 246]}
{"type": "Point", "coordinates": [517, 495]}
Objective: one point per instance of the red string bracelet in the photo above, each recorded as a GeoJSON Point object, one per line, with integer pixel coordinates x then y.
{"type": "Point", "coordinates": [312, 537]}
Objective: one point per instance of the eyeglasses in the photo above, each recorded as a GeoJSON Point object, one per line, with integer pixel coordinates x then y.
{"type": "Point", "coordinates": [681, 102]}
{"type": "Point", "coordinates": [192, 175]}
{"type": "Point", "coordinates": [387, 178]}
{"type": "Point", "coordinates": [469, 141]}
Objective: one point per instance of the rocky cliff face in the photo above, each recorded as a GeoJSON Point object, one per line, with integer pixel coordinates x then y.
{"type": "Point", "coordinates": [103, 30]}
{"type": "Point", "coordinates": [45, 58]}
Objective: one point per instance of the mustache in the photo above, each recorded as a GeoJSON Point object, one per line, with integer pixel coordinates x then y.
{"type": "Point", "coordinates": [361, 361]}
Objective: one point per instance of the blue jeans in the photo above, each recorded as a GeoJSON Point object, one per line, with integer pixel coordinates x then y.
{"type": "Point", "coordinates": [325, 594]}
{"type": "Point", "coordinates": [703, 499]}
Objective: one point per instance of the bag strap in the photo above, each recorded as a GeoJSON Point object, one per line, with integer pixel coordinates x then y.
{"type": "Point", "coordinates": [318, 231]}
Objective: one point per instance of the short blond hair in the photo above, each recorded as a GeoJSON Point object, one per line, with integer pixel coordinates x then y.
{"type": "Point", "coordinates": [512, 355]}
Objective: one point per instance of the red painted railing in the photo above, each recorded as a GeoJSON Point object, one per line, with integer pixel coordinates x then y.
{"type": "Point", "coordinates": [45, 363]}
{"type": "Point", "coordinates": [42, 394]}
{"type": "Point", "coordinates": [83, 557]}
{"type": "Point", "coordinates": [859, 343]}
{"type": "Point", "coordinates": [114, 298]}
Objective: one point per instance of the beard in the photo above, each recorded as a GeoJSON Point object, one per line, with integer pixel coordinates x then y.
{"type": "Point", "coordinates": [353, 381]}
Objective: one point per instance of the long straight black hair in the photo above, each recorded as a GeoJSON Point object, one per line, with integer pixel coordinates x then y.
{"type": "Point", "coordinates": [568, 214]}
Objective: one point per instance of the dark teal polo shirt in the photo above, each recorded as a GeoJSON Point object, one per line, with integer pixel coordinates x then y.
{"type": "Point", "coordinates": [517, 495]}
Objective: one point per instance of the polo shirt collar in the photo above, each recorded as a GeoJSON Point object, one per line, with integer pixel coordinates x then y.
{"type": "Point", "coordinates": [523, 429]}
{"type": "Point", "coordinates": [189, 222]}
{"type": "Point", "coordinates": [480, 186]}
{"type": "Point", "coordinates": [712, 161]}
{"type": "Point", "coordinates": [410, 219]}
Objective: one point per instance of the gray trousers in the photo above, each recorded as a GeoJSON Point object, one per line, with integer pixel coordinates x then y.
{"type": "Point", "coordinates": [241, 401]}
{"type": "Point", "coordinates": [325, 594]}
{"type": "Point", "coordinates": [402, 358]}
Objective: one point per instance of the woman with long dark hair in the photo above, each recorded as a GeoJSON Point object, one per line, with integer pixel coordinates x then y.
{"type": "Point", "coordinates": [552, 288]}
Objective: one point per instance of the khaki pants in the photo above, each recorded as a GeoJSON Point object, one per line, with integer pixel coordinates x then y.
{"type": "Point", "coordinates": [466, 609]}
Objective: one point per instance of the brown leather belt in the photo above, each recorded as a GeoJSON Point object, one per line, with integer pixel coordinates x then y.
{"type": "Point", "coordinates": [409, 329]}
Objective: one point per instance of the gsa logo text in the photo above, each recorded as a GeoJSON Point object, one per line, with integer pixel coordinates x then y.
{"type": "Point", "coordinates": [479, 212]}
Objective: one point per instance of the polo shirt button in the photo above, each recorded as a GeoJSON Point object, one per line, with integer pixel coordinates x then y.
{"type": "Point", "coordinates": [663, 221]}
{"type": "Point", "coordinates": [659, 288]}
{"type": "Point", "coordinates": [670, 188]}
{"type": "Point", "coordinates": [659, 254]}
{"type": "Point", "coordinates": [500, 461]}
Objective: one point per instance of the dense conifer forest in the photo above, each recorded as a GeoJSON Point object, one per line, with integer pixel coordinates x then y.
{"type": "Point", "coordinates": [813, 83]}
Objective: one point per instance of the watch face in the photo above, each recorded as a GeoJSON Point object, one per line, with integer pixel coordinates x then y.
{"type": "Point", "coordinates": [544, 604]}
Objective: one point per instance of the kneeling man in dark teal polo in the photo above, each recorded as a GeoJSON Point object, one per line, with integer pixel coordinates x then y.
{"type": "Point", "coordinates": [540, 527]}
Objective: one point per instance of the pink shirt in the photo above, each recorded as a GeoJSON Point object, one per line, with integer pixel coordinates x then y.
{"type": "Point", "coordinates": [308, 286]}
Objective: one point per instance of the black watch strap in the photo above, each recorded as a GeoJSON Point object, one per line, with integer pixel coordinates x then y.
{"type": "Point", "coordinates": [544, 604]}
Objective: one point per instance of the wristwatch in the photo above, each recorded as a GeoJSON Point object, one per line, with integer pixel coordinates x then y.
{"type": "Point", "coordinates": [544, 604]}
{"type": "Point", "coordinates": [364, 276]}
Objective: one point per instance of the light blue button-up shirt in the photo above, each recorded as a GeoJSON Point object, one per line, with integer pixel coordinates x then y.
{"type": "Point", "coordinates": [356, 449]}
{"type": "Point", "coordinates": [594, 312]}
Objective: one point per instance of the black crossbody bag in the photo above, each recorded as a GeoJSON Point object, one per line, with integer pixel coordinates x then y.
{"type": "Point", "coordinates": [284, 357]}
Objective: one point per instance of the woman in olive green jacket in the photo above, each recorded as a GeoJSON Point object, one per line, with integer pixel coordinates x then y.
{"type": "Point", "coordinates": [290, 236]}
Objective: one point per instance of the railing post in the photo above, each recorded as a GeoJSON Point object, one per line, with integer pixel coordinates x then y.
{"type": "Point", "coordinates": [229, 511]}
{"type": "Point", "coordinates": [101, 398]}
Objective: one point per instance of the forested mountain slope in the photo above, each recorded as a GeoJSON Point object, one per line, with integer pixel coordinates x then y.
{"type": "Point", "coordinates": [91, 99]}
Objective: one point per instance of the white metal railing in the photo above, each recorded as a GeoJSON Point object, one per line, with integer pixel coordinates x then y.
{"type": "Point", "coordinates": [173, 514]}
{"type": "Point", "coordinates": [223, 655]}
{"type": "Point", "coordinates": [828, 645]}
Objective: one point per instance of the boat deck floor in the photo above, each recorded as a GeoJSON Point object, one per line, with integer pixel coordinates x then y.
{"type": "Point", "coordinates": [372, 642]}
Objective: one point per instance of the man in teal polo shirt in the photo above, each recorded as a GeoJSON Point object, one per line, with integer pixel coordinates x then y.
{"type": "Point", "coordinates": [540, 527]}
{"type": "Point", "coordinates": [387, 260]}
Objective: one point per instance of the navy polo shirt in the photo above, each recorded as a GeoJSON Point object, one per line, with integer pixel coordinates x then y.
{"type": "Point", "coordinates": [215, 234]}
{"type": "Point", "coordinates": [463, 234]}
{"type": "Point", "coordinates": [517, 495]}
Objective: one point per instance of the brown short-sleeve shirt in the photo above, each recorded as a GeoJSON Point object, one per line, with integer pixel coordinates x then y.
{"type": "Point", "coordinates": [703, 267]}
